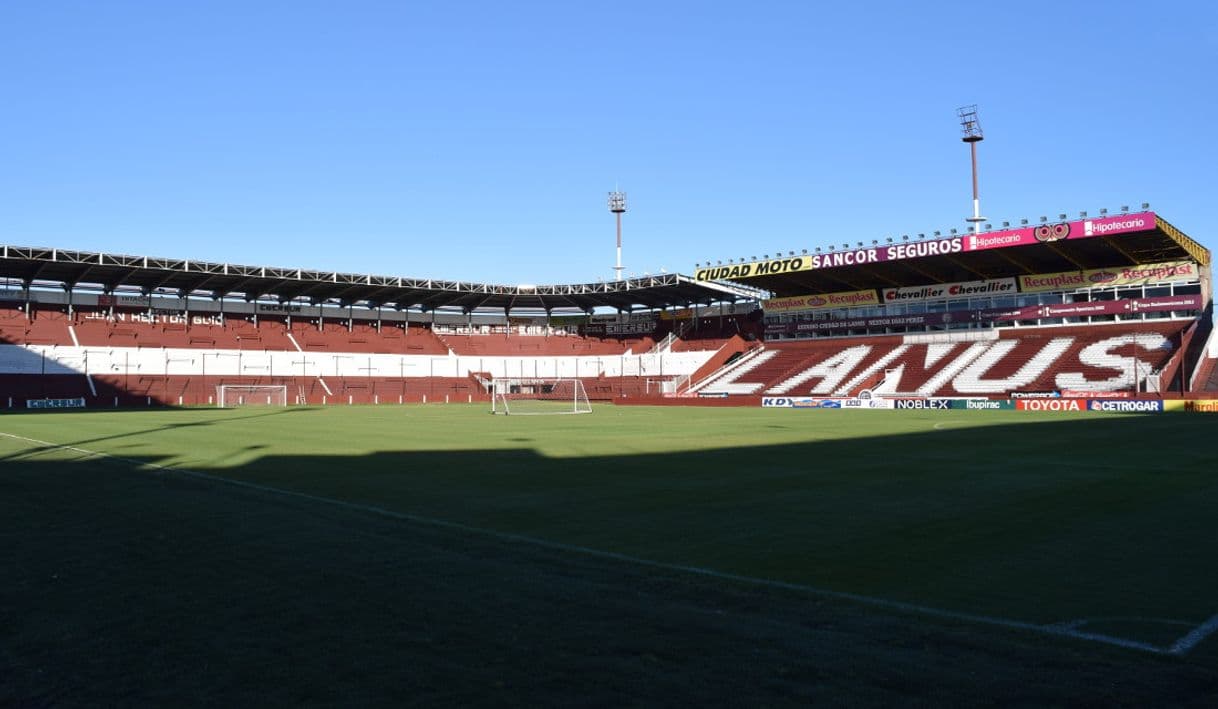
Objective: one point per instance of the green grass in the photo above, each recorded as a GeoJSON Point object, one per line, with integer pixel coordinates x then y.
{"type": "Point", "coordinates": [134, 585]}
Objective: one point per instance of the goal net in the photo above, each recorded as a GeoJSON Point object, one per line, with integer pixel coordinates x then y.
{"type": "Point", "coordinates": [539, 396]}
{"type": "Point", "coordinates": [230, 395]}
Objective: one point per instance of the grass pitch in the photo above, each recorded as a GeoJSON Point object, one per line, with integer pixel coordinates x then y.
{"type": "Point", "coordinates": [636, 555]}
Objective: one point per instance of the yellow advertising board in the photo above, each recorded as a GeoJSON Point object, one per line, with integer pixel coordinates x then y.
{"type": "Point", "coordinates": [1168, 271]}
{"type": "Point", "coordinates": [821, 301]}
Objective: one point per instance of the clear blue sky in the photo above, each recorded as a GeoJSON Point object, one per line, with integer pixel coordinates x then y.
{"type": "Point", "coordinates": [477, 140]}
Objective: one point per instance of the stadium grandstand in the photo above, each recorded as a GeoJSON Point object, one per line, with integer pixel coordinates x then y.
{"type": "Point", "coordinates": [95, 329]}
{"type": "Point", "coordinates": [1114, 306]}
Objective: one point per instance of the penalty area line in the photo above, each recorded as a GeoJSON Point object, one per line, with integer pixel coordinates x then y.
{"type": "Point", "coordinates": [1054, 630]}
{"type": "Point", "coordinates": [1194, 637]}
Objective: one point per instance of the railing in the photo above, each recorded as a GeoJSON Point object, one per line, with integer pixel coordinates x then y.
{"type": "Point", "coordinates": [664, 345]}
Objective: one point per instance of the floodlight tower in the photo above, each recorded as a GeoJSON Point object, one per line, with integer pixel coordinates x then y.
{"type": "Point", "coordinates": [971, 126]}
{"type": "Point", "coordinates": [617, 205]}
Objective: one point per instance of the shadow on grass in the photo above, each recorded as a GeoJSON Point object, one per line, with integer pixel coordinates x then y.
{"type": "Point", "coordinates": [135, 586]}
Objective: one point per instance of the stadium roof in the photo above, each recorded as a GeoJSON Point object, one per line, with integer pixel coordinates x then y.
{"type": "Point", "coordinates": [1108, 242]}
{"type": "Point", "coordinates": [113, 272]}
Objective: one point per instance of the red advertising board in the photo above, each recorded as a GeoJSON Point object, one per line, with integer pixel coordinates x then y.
{"type": "Point", "coordinates": [1046, 233]}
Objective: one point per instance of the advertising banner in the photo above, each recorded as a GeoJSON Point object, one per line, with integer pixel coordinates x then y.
{"type": "Point", "coordinates": [1166, 272]}
{"type": "Point", "coordinates": [843, 299]}
{"type": "Point", "coordinates": [1051, 404]}
{"type": "Point", "coordinates": [1126, 406]}
{"type": "Point", "coordinates": [55, 403]}
{"type": "Point", "coordinates": [1024, 236]}
{"type": "Point", "coordinates": [1075, 394]}
{"type": "Point", "coordinates": [931, 404]}
{"type": "Point", "coordinates": [994, 286]}
{"type": "Point", "coordinates": [866, 403]}
{"type": "Point", "coordinates": [1046, 233]}
{"type": "Point", "coordinates": [982, 404]}
{"type": "Point", "coordinates": [1208, 406]}
{"type": "Point", "coordinates": [808, 402]}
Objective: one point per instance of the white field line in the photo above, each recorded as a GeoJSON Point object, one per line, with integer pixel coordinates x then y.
{"type": "Point", "coordinates": [1194, 637]}
{"type": "Point", "coordinates": [1057, 629]}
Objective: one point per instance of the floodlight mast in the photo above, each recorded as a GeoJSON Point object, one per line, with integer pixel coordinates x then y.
{"type": "Point", "coordinates": [971, 125]}
{"type": "Point", "coordinates": [617, 205]}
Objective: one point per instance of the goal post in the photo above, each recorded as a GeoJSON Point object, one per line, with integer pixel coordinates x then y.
{"type": "Point", "coordinates": [532, 397]}
{"type": "Point", "coordinates": [230, 395]}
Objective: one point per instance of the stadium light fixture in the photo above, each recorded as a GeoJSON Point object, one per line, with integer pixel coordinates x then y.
{"type": "Point", "coordinates": [1023, 222]}
{"type": "Point", "coordinates": [1103, 211]}
{"type": "Point", "coordinates": [1043, 219]}
{"type": "Point", "coordinates": [1124, 209]}
{"type": "Point", "coordinates": [953, 232]}
{"type": "Point", "coordinates": [804, 251]}
{"type": "Point", "coordinates": [1146, 205]}
{"type": "Point", "coordinates": [875, 242]}
{"type": "Point", "coordinates": [1062, 217]}
{"type": "Point", "coordinates": [904, 237]}
{"type": "Point", "coordinates": [818, 249]}
{"type": "Point", "coordinates": [937, 235]}
{"type": "Point", "coordinates": [1082, 215]}
{"type": "Point", "coordinates": [617, 205]}
{"type": "Point", "coordinates": [1006, 225]}
{"type": "Point", "coordinates": [845, 246]}
{"type": "Point", "coordinates": [970, 124]}
{"type": "Point", "coordinates": [831, 247]}
{"type": "Point", "coordinates": [988, 226]}
{"type": "Point", "coordinates": [888, 239]}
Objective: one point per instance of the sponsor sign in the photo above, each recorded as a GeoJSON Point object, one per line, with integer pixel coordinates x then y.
{"type": "Point", "coordinates": [843, 299]}
{"type": "Point", "coordinates": [933, 404]}
{"type": "Point", "coordinates": [803, 402]}
{"type": "Point", "coordinates": [1046, 233]}
{"type": "Point", "coordinates": [994, 286]}
{"type": "Point", "coordinates": [982, 404]}
{"type": "Point", "coordinates": [278, 308]}
{"type": "Point", "coordinates": [1209, 406]}
{"type": "Point", "coordinates": [713, 395]}
{"type": "Point", "coordinates": [897, 252]}
{"type": "Point", "coordinates": [1035, 394]}
{"type": "Point", "coordinates": [637, 327]}
{"type": "Point", "coordinates": [1076, 394]}
{"type": "Point", "coordinates": [856, 257]}
{"type": "Point", "coordinates": [1127, 406]}
{"type": "Point", "coordinates": [807, 402]}
{"type": "Point", "coordinates": [866, 403]}
{"type": "Point", "coordinates": [678, 314]}
{"type": "Point", "coordinates": [55, 403]}
{"type": "Point", "coordinates": [1051, 404]}
{"type": "Point", "coordinates": [1167, 271]}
